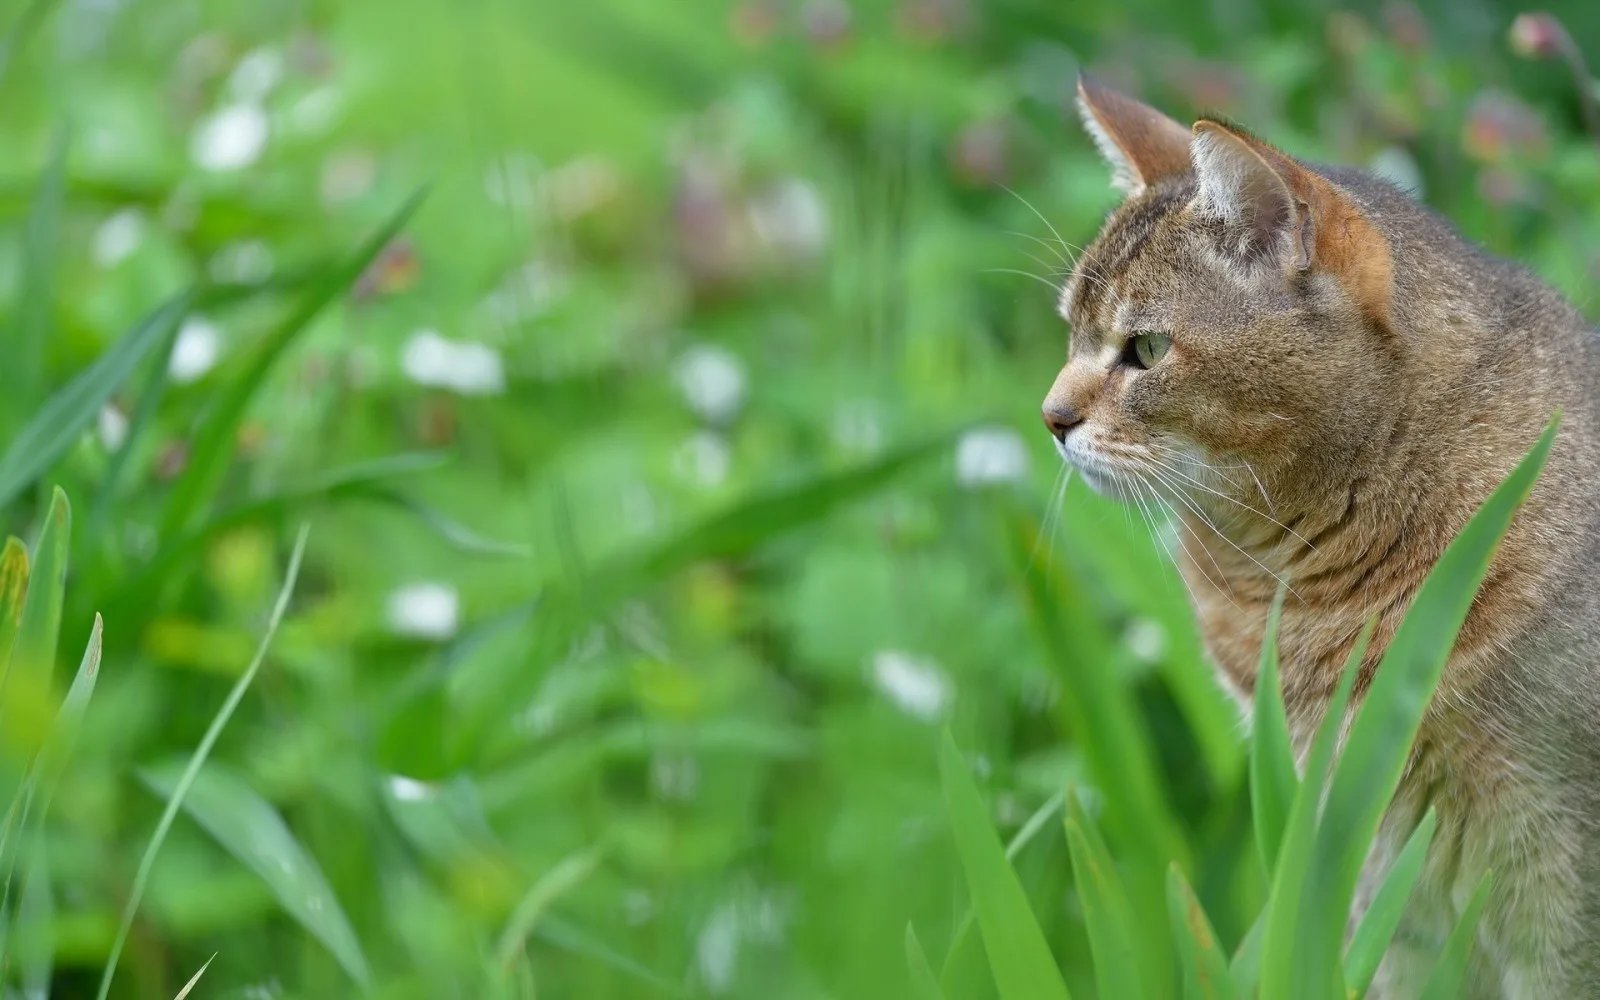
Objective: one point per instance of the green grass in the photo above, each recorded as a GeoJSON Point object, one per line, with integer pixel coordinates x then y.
{"type": "Point", "coordinates": [677, 728]}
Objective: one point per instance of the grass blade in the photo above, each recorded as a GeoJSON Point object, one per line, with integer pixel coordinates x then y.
{"type": "Point", "coordinates": [1446, 979]}
{"type": "Point", "coordinates": [57, 424]}
{"type": "Point", "coordinates": [13, 591]}
{"type": "Point", "coordinates": [250, 829]}
{"type": "Point", "coordinates": [1205, 966]}
{"type": "Point", "coordinates": [1019, 956]}
{"type": "Point", "coordinates": [33, 656]}
{"type": "Point", "coordinates": [924, 984]}
{"type": "Point", "coordinates": [1245, 969]}
{"type": "Point", "coordinates": [1114, 940]}
{"type": "Point", "coordinates": [201, 752]}
{"type": "Point", "coordinates": [1380, 739]}
{"type": "Point", "coordinates": [208, 457]}
{"type": "Point", "coordinates": [1272, 777]}
{"type": "Point", "coordinates": [42, 235]}
{"type": "Point", "coordinates": [1382, 919]}
{"type": "Point", "coordinates": [194, 979]}
{"type": "Point", "coordinates": [565, 876]}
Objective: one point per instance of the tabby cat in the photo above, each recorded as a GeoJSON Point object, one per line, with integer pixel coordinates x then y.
{"type": "Point", "coordinates": [1323, 381]}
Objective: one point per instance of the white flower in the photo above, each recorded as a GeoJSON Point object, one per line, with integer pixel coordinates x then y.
{"type": "Point", "coordinates": [704, 459]}
{"type": "Point", "coordinates": [425, 611]}
{"type": "Point", "coordinates": [315, 113]}
{"type": "Point", "coordinates": [990, 455]}
{"type": "Point", "coordinates": [791, 216]}
{"type": "Point", "coordinates": [256, 75]}
{"type": "Point", "coordinates": [195, 351]}
{"type": "Point", "coordinates": [231, 139]}
{"type": "Point", "coordinates": [118, 237]}
{"type": "Point", "coordinates": [242, 261]}
{"type": "Point", "coordinates": [112, 427]}
{"type": "Point", "coordinates": [469, 369]}
{"type": "Point", "coordinates": [406, 789]}
{"type": "Point", "coordinates": [917, 685]}
{"type": "Point", "coordinates": [712, 381]}
{"type": "Point", "coordinates": [1146, 639]}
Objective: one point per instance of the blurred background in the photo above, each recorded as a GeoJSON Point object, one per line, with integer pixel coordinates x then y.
{"type": "Point", "coordinates": [673, 472]}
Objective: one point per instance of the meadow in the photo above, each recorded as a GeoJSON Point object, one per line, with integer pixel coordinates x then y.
{"type": "Point", "coordinates": [543, 499]}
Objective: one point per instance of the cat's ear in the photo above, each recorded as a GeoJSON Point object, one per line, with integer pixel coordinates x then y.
{"type": "Point", "coordinates": [1291, 213]}
{"type": "Point", "coordinates": [1141, 144]}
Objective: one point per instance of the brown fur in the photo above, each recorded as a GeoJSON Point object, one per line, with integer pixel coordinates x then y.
{"type": "Point", "coordinates": [1347, 382]}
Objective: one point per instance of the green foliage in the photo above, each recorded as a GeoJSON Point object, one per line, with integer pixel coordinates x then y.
{"type": "Point", "coordinates": [675, 480]}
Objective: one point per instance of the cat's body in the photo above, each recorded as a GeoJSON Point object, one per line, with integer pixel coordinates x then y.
{"type": "Point", "coordinates": [1339, 382]}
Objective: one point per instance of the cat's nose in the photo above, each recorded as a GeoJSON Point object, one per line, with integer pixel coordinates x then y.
{"type": "Point", "coordinates": [1059, 419]}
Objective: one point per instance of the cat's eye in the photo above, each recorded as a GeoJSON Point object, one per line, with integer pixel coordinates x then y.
{"type": "Point", "coordinates": [1145, 350]}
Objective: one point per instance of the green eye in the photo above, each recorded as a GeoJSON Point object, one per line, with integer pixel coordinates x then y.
{"type": "Point", "coordinates": [1145, 350]}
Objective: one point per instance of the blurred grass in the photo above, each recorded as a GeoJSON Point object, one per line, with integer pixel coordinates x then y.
{"type": "Point", "coordinates": [723, 495]}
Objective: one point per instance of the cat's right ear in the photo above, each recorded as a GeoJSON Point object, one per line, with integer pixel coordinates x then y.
{"type": "Point", "coordinates": [1142, 145]}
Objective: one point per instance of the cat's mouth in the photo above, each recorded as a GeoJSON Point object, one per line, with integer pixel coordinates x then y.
{"type": "Point", "coordinates": [1101, 473]}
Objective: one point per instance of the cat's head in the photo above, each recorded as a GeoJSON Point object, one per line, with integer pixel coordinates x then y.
{"type": "Point", "coordinates": [1229, 324]}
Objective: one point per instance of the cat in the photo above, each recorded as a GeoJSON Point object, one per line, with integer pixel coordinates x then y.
{"type": "Point", "coordinates": [1322, 380]}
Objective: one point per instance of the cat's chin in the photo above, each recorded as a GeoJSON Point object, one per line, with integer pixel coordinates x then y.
{"type": "Point", "coordinates": [1103, 481]}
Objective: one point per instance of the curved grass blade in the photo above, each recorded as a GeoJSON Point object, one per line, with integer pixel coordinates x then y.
{"type": "Point", "coordinates": [567, 874]}
{"type": "Point", "coordinates": [559, 933]}
{"type": "Point", "coordinates": [201, 752]}
{"type": "Point", "coordinates": [1381, 737]}
{"type": "Point", "coordinates": [195, 979]}
{"type": "Point", "coordinates": [964, 961]}
{"type": "Point", "coordinates": [1019, 956]}
{"type": "Point", "coordinates": [1382, 918]}
{"type": "Point", "coordinates": [1446, 979]}
{"type": "Point", "coordinates": [1114, 940]}
{"type": "Point", "coordinates": [250, 829]}
{"type": "Point", "coordinates": [924, 984]}
{"type": "Point", "coordinates": [208, 456]}
{"type": "Point", "coordinates": [33, 655]}
{"type": "Point", "coordinates": [62, 419]}
{"type": "Point", "coordinates": [13, 591]}
{"type": "Point", "coordinates": [1205, 966]}
{"type": "Point", "coordinates": [1272, 777]}
{"type": "Point", "coordinates": [1245, 968]}
{"type": "Point", "coordinates": [1282, 920]}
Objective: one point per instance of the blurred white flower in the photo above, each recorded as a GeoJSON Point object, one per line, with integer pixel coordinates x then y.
{"type": "Point", "coordinates": [469, 369]}
{"type": "Point", "coordinates": [990, 455]}
{"type": "Point", "coordinates": [712, 380]}
{"type": "Point", "coordinates": [717, 948]}
{"type": "Point", "coordinates": [791, 216]}
{"type": "Point", "coordinates": [1146, 639]}
{"type": "Point", "coordinates": [118, 237]}
{"type": "Point", "coordinates": [195, 350]}
{"type": "Point", "coordinates": [704, 459]}
{"type": "Point", "coordinates": [674, 776]}
{"type": "Point", "coordinates": [917, 685]}
{"type": "Point", "coordinates": [255, 76]}
{"type": "Point", "coordinates": [425, 610]}
{"type": "Point", "coordinates": [1396, 165]}
{"type": "Point", "coordinates": [857, 427]}
{"type": "Point", "coordinates": [315, 113]}
{"type": "Point", "coordinates": [242, 261]}
{"type": "Point", "coordinates": [580, 186]}
{"type": "Point", "coordinates": [112, 427]}
{"type": "Point", "coordinates": [231, 139]}
{"type": "Point", "coordinates": [407, 789]}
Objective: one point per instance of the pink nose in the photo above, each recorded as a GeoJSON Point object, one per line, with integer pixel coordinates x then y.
{"type": "Point", "coordinates": [1060, 419]}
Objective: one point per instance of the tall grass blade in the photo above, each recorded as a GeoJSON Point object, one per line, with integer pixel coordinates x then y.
{"type": "Point", "coordinates": [1272, 777]}
{"type": "Point", "coordinates": [41, 239]}
{"type": "Point", "coordinates": [1205, 965]}
{"type": "Point", "coordinates": [1382, 919]}
{"type": "Point", "coordinates": [1245, 967]}
{"type": "Point", "coordinates": [1448, 977]}
{"type": "Point", "coordinates": [195, 979]}
{"type": "Point", "coordinates": [1371, 764]}
{"type": "Point", "coordinates": [1019, 956]}
{"type": "Point", "coordinates": [250, 829]}
{"type": "Point", "coordinates": [566, 875]}
{"type": "Point", "coordinates": [201, 752]}
{"type": "Point", "coordinates": [924, 984]}
{"type": "Point", "coordinates": [33, 656]}
{"type": "Point", "coordinates": [213, 444]}
{"type": "Point", "coordinates": [56, 425]}
{"type": "Point", "coordinates": [13, 591]}
{"type": "Point", "coordinates": [1282, 920]}
{"type": "Point", "coordinates": [1114, 938]}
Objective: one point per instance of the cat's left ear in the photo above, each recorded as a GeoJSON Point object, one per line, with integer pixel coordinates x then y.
{"type": "Point", "coordinates": [1142, 145]}
{"type": "Point", "coordinates": [1291, 213]}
